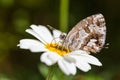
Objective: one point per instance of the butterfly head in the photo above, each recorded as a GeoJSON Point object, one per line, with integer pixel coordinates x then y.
{"type": "Point", "coordinates": [63, 36]}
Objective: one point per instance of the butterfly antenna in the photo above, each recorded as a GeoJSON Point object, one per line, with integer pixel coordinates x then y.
{"type": "Point", "coordinates": [50, 27]}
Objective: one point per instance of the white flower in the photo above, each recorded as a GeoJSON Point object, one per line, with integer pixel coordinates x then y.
{"type": "Point", "coordinates": [53, 52]}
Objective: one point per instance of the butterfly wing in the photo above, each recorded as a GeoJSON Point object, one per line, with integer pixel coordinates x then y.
{"type": "Point", "coordinates": [89, 34]}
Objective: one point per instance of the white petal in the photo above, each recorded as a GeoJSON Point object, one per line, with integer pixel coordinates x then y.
{"type": "Point", "coordinates": [69, 58]}
{"type": "Point", "coordinates": [79, 52]}
{"type": "Point", "coordinates": [43, 32]}
{"type": "Point", "coordinates": [49, 58]}
{"type": "Point", "coordinates": [83, 59]}
{"type": "Point", "coordinates": [33, 45]}
{"type": "Point", "coordinates": [92, 60]}
{"type": "Point", "coordinates": [87, 57]}
{"type": "Point", "coordinates": [45, 59]}
{"type": "Point", "coordinates": [30, 31]}
{"type": "Point", "coordinates": [54, 57]}
{"type": "Point", "coordinates": [66, 67]}
{"type": "Point", "coordinates": [83, 65]}
{"type": "Point", "coordinates": [56, 33]}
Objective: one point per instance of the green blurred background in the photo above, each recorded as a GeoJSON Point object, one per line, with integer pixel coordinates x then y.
{"type": "Point", "coordinates": [18, 15]}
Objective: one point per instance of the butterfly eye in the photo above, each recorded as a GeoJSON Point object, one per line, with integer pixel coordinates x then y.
{"type": "Point", "coordinates": [63, 36]}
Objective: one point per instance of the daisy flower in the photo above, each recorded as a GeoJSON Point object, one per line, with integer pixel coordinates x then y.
{"type": "Point", "coordinates": [53, 52]}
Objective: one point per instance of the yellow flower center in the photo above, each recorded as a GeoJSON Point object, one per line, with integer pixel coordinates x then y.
{"type": "Point", "coordinates": [54, 47]}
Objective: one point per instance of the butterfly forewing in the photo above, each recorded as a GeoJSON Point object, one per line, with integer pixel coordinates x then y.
{"type": "Point", "coordinates": [89, 34]}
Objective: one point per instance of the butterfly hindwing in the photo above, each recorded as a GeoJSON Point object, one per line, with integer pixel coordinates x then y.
{"type": "Point", "coordinates": [89, 34]}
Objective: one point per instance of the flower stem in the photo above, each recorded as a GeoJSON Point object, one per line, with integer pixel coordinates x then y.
{"type": "Point", "coordinates": [64, 7]}
{"type": "Point", "coordinates": [50, 73]}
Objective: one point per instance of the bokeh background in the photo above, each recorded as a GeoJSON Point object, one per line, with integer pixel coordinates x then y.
{"type": "Point", "coordinates": [18, 15]}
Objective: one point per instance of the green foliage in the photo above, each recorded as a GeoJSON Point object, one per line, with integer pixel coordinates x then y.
{"type": "Point", "coordinates": [64, 13]}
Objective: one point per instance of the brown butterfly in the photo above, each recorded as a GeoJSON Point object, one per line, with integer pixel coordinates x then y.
{"type": "Point", "coordinates": [89, 35]}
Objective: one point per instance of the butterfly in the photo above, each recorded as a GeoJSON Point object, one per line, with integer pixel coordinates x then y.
{"type": "Point", "coordinates": [89, 34]}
